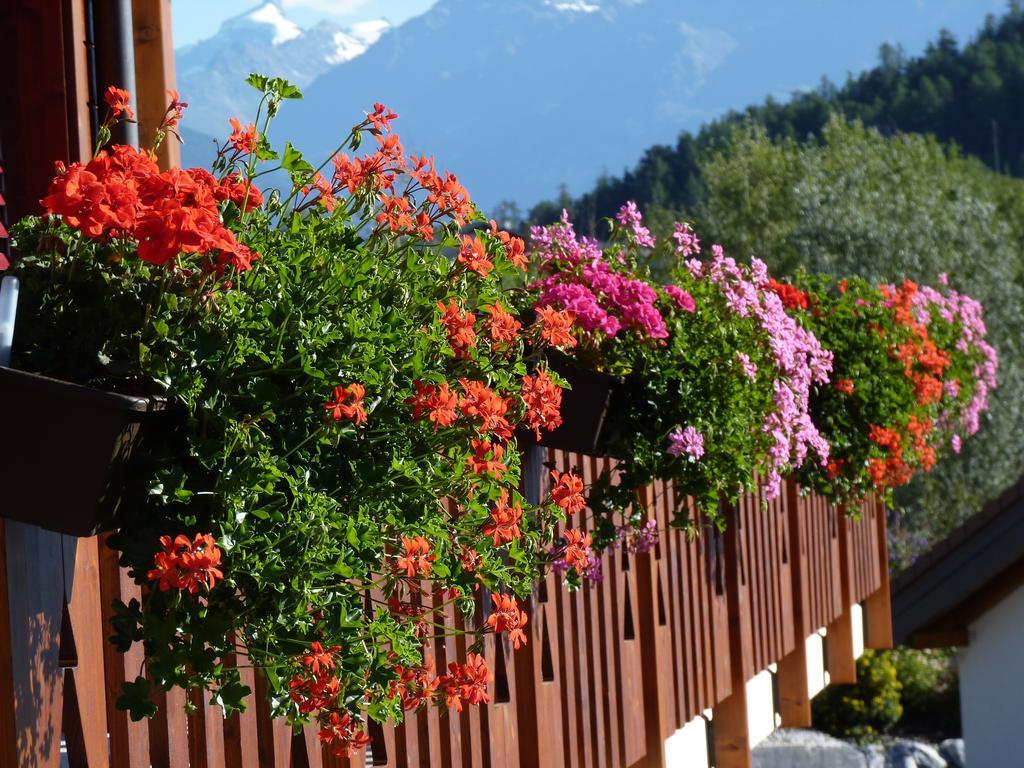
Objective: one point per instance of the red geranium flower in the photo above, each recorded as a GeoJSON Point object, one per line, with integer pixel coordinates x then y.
{"type": "Point", "coordinates": [473, 254]}
{"type": "Point", "coordinates": [416, 558]}
{"type": "Point", "coordinates": [119, 101]}
{"type": "Point", "coordinates": [543, 400]}
{"type": "Point", "coordinates": [508, 618]}
{"type": "Point", "coordinates": [568, 492]}
{"type": "Point", "coordinates": [347, 404]}
{"type": "Point", "coordinates": [556, 327]}
{"type": "Point", "coordinates": [504, 525]}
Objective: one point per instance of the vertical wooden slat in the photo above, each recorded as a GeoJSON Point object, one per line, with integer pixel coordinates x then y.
{"type": "Point", "coordinates": [8, 731]}
{"type": "Point", "coordinates": [89, 635]}
{"type": "Point", "coordinates": [240, 730]}
{"type": "Point", "coordinates": [842, 666]}
{"type": "Point", "coordinates": [654, 646]}
{"type": "Point", "coordinates": [154, 74]}
{"type": "Point", "coordinates": [129, 741]}
{"type": "Point", "coordinates": [731, 734]}
{"type": "Point", "coordinates": [878, 606]}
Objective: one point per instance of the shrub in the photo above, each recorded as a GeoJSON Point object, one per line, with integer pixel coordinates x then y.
{"type": "Point", "coordinates": [866, 709]}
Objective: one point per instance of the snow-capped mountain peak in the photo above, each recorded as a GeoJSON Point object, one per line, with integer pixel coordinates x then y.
{"type": "Point", "coordinates": [348, 45]}
{"type": "Point", "coordinates": [265, 20]}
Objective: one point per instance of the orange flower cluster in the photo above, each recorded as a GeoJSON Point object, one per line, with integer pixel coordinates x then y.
{"type": "Point", "coordinates": [485, 405]}
{"type": "Point", "coordinates": [543, 400]}
{"type": "Point", "coordinates": [507, 617]}
{"type": "Point", "coordinates": [464, 683]}
{"type": "Point", "coordinates": [844, 386]}
{"type": "Point", "coordinates": [121, 193]}
{"type": "Point", "coordinates": [923, 362]}
{"type": "Point", "coordinates": [791, 296]}
{"type": "Point", "coordinates": [347, 403]}
{"type": "Point", "coordinates": [473, 255]}
{"type": "Point", "coordinates": [568, 492]}
{"type": "Point", "coordinates": [459, 325]}
{"type": "Point", "coordinates": [316, 690]}
{"type": "Point", "coordinates": [502, 327]}
{"type": "Point", "coordinates": [186, 565]}
{"type": "Point", "coordinates": [556, 327]}
{"type": "Point", "coordinates": [416, 558]}
{"type": "Point", "coordinates": [486, 459]}
{"type": "Point", "coordinates": [891, 471]}
{"type": "Point", "coordinates": [504, 524]}
{"type": "Point", "coordinates": [577, 550]}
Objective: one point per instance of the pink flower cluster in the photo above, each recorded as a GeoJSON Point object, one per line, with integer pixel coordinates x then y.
{"type": "Point", "coordinates": [689, 441]}
{"type": "Point", "coordinates": [629, 216]}
{"type": "Point", "coordinates": [687, 242]}
{"type": "Point", "coordinates": [799, 360]}
{"type": "Point", "coordinates": [967, 313]}
{"type": "Point", "coordinates": [579, 278]}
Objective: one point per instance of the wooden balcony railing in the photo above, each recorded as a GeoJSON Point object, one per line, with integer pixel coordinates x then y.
{"type": "Point", "coordinates": [610, 672]}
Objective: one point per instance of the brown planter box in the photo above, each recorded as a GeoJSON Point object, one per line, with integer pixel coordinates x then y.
{"type": "Point", "coordinates": [65, 451]}
{"type": "Point", "coordinates": [584, 408]}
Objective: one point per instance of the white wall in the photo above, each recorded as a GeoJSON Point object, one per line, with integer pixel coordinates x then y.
{"type": "Point", "coordinates": [992, 685]}
{"type": "Point", "coordinates": [688, 747]}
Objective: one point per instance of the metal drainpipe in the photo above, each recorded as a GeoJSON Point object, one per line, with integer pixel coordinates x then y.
{"type": "Point", "coordinates": [115, 59]}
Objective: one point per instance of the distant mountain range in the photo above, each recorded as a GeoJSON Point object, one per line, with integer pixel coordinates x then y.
{"type": "Point", "coordinates": [211, 73]}
{"type": "Point", "coordinates": [518, 96]}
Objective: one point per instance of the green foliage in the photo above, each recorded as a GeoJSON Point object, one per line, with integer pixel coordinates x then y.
{"type": "Point", "coordinates": [903, 691]}
{"type": "Point", "coordinates": [869, 707]}
{"type": "Point", "coordinates": [311, 510]}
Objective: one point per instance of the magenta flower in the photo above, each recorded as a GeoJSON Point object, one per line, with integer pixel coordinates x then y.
{"type": "Point", "coordinates": [682, 298]}
{"type": "Point", "coordinates": [688, 441]}
{"type": "Point", "coordinates": [687, 242]}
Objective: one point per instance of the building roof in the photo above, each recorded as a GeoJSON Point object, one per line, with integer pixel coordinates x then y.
{"type": "Point", "coordinates": [963, 576]}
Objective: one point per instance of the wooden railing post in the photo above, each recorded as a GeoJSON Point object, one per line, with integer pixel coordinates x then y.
{"type": "Point", "coordinates": [878, 606]}
{"type": "Point", "coordinates": [842, 663]}
{"type": "Point", "coordinates": [794, 701]}
{"type": "Point", "coordinates": [654, 647]}
{"type": "Point", "coordinates": [730, 722]}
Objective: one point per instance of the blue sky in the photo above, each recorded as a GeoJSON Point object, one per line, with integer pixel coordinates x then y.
{"type": "Point", "coordinates": [198, 19]}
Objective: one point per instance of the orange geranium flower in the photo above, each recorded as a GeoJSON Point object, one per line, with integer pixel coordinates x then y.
{"type": "Point", "coordinates": [504, 524]}
{"type": "Point", "coordinates": [466, 683]}
{"type": "Point", "coordinates": [186, 565]}
{"type": "Point", "coordinates": [347, 403]}
{"type": "Point", "coordinates": [381, 117]}
{"type": "Point", "coordinates": [473, 254]}
{"type": "Point", "coordinates": [508, 618]}
{"type": "Point", "coordinates": [342, 734]}
{"type": "Point", "coordinates": [416, 558]}
{"type": "Point", "coordinates": [568, 492]}
{"type": "Point", "coordinates": [484, 404]}
{"type": "Point", "coordinates": [844, 385]}
{"type": "Point", "coordinates": [242, 139]}
{"type": "Point", "coordinates": [479, 463]}
{"type": "Point", "coordinates": [459, 325]}
{"type": "Point", "coordinates": [119, 101]}
{"type": "Point", "coordinates": [502, 326]}
{"type": "Point", "coordinates": [515, 248]}
{"type": "Point", "coordinates": [438, 403]}
{"type": "Point", "coordinates": [543, 400]}
{"type": "Point", "coordinates": [577, 550]}
{"type": "Point", "coordinates": [556, 327]}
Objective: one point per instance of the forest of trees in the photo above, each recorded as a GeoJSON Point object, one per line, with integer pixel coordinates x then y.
{"type": "Point", "coordinates": [972, 96]}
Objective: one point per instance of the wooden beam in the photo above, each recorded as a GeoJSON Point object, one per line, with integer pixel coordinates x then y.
{"type": "Point", "coordinates": [842, 664]}
{"type": "Point", "coordinates": [794, 701]}
{"type": "Point", "coordinates": [154, 74]}
{"type": "Point", "coordinates": [878, 606]}
{"type": "Point", "coordinates": [731, 734]}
